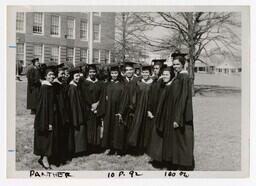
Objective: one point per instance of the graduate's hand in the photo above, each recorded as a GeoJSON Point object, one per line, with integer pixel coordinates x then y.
{"type": "Point", "coordinates": [119, 117]}
{"type": "Point", "coordinates": [150, 115]}
{"type": "Point", "coordinates": [50, 127]}
{"type": "Point", "coordinates": [175, 125]}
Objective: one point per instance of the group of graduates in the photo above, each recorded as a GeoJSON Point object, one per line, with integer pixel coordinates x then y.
{"type": "Point", "coordinates": [88, 109]}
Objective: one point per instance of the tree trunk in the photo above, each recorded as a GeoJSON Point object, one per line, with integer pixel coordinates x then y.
{"type": "Point", "coordinates": [123, 37]}
{"type": "Point", "coordinates": [191, 53]}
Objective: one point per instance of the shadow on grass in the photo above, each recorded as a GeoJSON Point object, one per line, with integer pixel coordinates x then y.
{"type": "Point", "coordinates": [215, 90]}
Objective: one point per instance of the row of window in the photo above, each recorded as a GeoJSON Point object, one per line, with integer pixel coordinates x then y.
{"type": "Point", "coordinates": [55, 27]}
{"type": "Point", "coordinates": [38, 52]}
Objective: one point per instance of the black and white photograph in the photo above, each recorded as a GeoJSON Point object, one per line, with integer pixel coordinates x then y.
{"type": "Point", "coordinates": [146, 90]}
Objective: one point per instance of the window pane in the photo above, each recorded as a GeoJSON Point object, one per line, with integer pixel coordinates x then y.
{"type": "Point", "coordinates": [70, 28]}
{"type": "Point", "coordinates": [55, 25]}
{"type": "Point", "coordinates": [38, 52]}
{"type": "Point", "coordinates": [107, 56]}
{"type": "Point", "coordinates": [20, 51]}
{"type": "Point", "coordinates": [20, 21]}
{"type": "Point", "coordinates": [83, 55]}
{"type": "Point", "coordinates": [96, 32]}
{"type": "Point", "coordinates": [70, 54]}
{"type": "Point", "coordinates": [83, 30]}
{"type": "Point", "coordinates": [38, 23]}
{"type": "Point", "coordinates": [96, 56]}
{"type": "Point", "coordinates": [96, 13]}
{"type": "Point", "coordinates": [55, 54]}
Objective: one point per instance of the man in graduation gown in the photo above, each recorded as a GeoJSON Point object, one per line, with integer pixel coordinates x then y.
{"type": "Point", "coordinates": [128, 102]}
{"type": "Point", "coordinates": [33, 86]}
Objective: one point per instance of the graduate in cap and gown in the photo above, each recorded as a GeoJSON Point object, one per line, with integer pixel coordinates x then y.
{"type": "Point", "coordinates": [33, 86]}
{"type": "Point", "coordinates": [155, 141]}
{"type": "Point", "coordinates": [109, 104]}
{"type": "Point", "coordinates": [60, 87]}
{"type": "Point", "coordinates": [77, 142]}
{"type": "Point", "coordinates": [178, 131]}
{"type": "Point", "coordinates": [141, 127]}
{"type": "Point", "coordinates": [174, 119]}
{"type": "Point", "coordinates": [128, 101]}
{"type": "Point", "coordinates": [46, 132]}
{"type": "Point", "coordinates": [91, 89]}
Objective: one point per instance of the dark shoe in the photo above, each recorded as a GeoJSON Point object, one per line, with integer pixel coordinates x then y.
{"type": "Point", "coordinates": [40, 161]}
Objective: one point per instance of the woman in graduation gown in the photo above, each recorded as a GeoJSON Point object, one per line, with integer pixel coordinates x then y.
{"type": "Point", "coordinates": [141, 128]}
{"type": "Point", "coordinates": [179, 129]}
{"type": "Point", "coordinates": [91, 89]}
{"type": "Point", "coordinates": [174, 119]}
{"type": "Point", "coordinates": [46, 132]}
{"type": "Point", "coordinates": [77, 142]}
{"type": "Point", "coordinates": [60, 88]}
{"type": "Point", "coordinates": [154, 148]}
{"type": "Point", "coordinates": [109, 104]}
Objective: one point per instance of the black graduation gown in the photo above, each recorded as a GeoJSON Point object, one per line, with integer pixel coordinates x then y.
{"type": "Point", "coordinates": [139, 133]}
{"type": "Point", "coordinates": [45, 140]}
{"type": "Point", "coordinates": [176, 105]}
{"type": "Point", "coordinates": [91, 92]}
{"type": "Point", "coordinates": [128, 106]}
{"type": "Point", "coordinates": [155, 143]}
{"type": "Point", "coordinates": [78, 137]}
{"type": "Point", "coordinates": [33, 87]}
{"type": "Point", "coordinates": [62, 120]}
{"type": "Point", "coordinates": [109, 105]}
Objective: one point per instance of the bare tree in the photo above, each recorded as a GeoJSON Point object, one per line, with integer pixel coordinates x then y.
{"type": "Point", "coordinates": [127, 45]}
{"type": "Point", "coordinates": [198, 32]}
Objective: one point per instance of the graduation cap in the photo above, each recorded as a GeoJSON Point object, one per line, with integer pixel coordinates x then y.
{"type": "Point", "coordinates": [62, 66]}
{"type": "Point", "coordinates": [137, 66]}
{"type": "Point", "coordinates": [92, 66]}
{"type": "Point", "coordinates": [114, 67]}
{"type": "Point", "coordinates": [159, 62]}
{"type": "Point", "coordinates": [50, 67]}
{"type": "Point", "coordinates": [74, 70]}
{"type": "Point", "coordinates": [177, 53]}
{"type": "Point", "coordinates": [34, 60]}
{"type": "Point", "coordinates": [129, 64]}
{"type": "Point", "coordinates": [146, 67]}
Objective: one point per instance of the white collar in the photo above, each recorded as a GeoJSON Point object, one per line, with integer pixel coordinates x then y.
{"type": "Point", "coordinates": [56, 80]}
{"type": "Point", "coordinates": [89, 79]}
{"type": "Point", "coordinates": [114, 81]}
{"type": "Point", "coordinates": [44, 82]}
{"type": "Point", "coordinates": [73, 83]}
{"type": "Point", "coordinates": [170, 82]}
{"type": "Point", "coordinates": [147, 82]}
{"type": "Point", "coordinates": [183, 72]}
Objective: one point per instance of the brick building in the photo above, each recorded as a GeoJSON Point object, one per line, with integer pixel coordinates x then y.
{"type": "Point", "coordinates": [65, 37]}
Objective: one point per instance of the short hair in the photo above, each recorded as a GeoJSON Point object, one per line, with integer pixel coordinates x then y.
{"type": "Point", "coordinates": [181, 59]}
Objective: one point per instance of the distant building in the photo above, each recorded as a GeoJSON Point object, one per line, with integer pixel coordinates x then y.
{"type": "Point", "coordinates": [228, 68]}
{"type": "Point", "coordinates": [65, 37]}
{"type": "Point", "coordinates": [204, 67]}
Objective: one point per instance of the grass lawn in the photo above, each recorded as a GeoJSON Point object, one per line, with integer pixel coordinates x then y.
{"type": "Point", "coordinates": [217, 115]}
